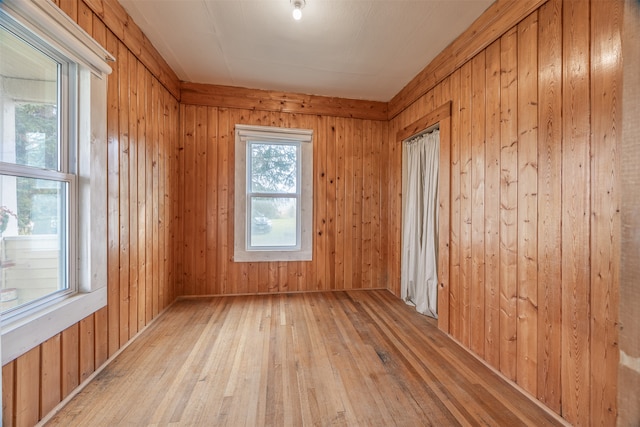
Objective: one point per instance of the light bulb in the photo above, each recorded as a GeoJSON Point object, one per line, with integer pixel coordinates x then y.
{"type": "Point", "coordinates": [297, 13]}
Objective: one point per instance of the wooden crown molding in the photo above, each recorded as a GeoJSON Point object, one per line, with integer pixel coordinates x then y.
{"type": "Point", "coordinates": [266, 100]}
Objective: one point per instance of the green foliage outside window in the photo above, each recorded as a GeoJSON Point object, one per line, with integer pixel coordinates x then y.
{"type": "Point", "coordinates": [37, 146]}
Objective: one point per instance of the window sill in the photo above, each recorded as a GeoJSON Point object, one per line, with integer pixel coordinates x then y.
{"type": "Point", "coordinates": [240, 255]}
{"type": "Point", "coordinates": [23, 334]}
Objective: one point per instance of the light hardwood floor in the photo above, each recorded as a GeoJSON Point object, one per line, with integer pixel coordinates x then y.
{"type": "Point", "coordinates": [342, 358]}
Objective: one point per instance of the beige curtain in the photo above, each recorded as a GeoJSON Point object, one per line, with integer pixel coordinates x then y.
{"type": "Point", "coordinates": [419, 280]}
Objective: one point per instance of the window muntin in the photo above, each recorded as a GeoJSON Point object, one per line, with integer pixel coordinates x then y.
{"type": "Point", "coordinates": [273, 195]}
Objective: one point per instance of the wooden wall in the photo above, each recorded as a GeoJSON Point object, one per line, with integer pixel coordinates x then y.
{"type": "Point", "coordinates": [142, 135]}
{"type": "Point", "coordinates": [534, 251]}
{"type": "Point", "coordinates": [349, 241]}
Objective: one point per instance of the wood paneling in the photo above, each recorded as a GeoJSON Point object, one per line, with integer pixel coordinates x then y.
{"type": "Point", "coordinates": [535, 194]}
{"type": "Point", "coordinates": [139, 126]}
{"type": "Point", "coordinates": [347, 207]}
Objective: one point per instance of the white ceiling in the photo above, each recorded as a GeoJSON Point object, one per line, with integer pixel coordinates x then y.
{"type": "Point", "coordinates": [361, 49]}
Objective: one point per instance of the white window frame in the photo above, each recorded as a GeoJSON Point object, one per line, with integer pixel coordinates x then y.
{"type": "Point", "coordinates": [244, 136]}
{"type": "Point", "coordinates": [88, 223]}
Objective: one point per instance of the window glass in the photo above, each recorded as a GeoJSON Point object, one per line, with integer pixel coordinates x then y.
{"type": "Point", "coordinates": [273, 195]}
{"type": "Point", "coordinates": [30, 88]}
{"type": "Point", "coordinates": [274, 222]}
{"type": "Point", "coordinates": [274, 167]}
{"type": "Point", "coordinates": [33, 244]}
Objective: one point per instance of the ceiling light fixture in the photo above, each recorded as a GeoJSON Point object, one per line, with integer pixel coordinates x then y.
{"type": "Point", "coordinates": [298, 5]}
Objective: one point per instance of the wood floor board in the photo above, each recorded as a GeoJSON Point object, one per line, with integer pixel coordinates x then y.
{"type": "Point", "coordinates": [329, 358]}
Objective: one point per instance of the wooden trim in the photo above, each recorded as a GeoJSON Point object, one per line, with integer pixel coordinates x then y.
{"type": "Point", "coordinates": [266, 100]}
{"type": "Point", "coordinates": [489, 27]}
{"type": "Point", "coordinates": [425, 122]}
{"type": "Point", "coordinates": [126, 30]}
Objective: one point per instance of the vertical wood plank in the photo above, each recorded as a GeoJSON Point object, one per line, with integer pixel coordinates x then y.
{"type": "Point", "coordinates": [466, 267]}
{"type": "Point", "coordinates": [455, 300]}
{"type": "Point", "coordinates": [85, 17]}
{"type": "Point", "coordinates": [212, 199]}
{"type": "Point", "coordinates": [331, 173]}
{"type": "Point", "coordinates": [101, 336]}
{"type": "Point", "coordinates": [144, 206]}
{"type": "Point", "coordinates": [137, 126]}
{"type": "Point", "coordinates": [320, 202]}
{"type": "Point", "coordinates": [349, 224]}
{"type": "Point", "coordinates": [70, 357]}
{"type": "Point", "coordinates": [163, 219]}
{"type": "Point", "coordinates": [606, 110]}
{"type": "Point", "coordinates": [8, 394]}
{"type": "Point", "coordinates": [550, 203]}
{"type": "Point", "coordinates": [149, 291]}
{"type": "Point", "coordinates": [155, 164]}
{"type": "Point", "coordinates": [478, 125]}
{"type": "Point", "coordinates": [508, 202]}
{"type": "Point", "coordinates": [444, 223]}
{"type": "Point", "coordinates": [70, 7]}
{"type": "Point", "coordinates": [179, 216]}
{"type": "Point", "coordinates": [50, 375]}
{"type": "Point", "coordinates": [190, 198]}
{"type": "Point", "coordinates": [123, 102]}
{"type": "Point", "coordinates": [340, 203]}
{"type": "Point", "coordinates": [358, 191]}
{"type": "Point", "coordinates": [492, 207]}
{"type": "Point", "coordinates": [28, 388]}
{"type": "Point", "coordinates": [200, 202]}
{"type": "Point", "coordinates": [176, 217]}
{"type": "Point", "coordinates": [527, 203]}
{"type": "Point", "coordinates": [87, 347]}
{"type": "Point", "coordinates": [377, 134]}
{"type": "Point", "coordinates": [576, 231]}
{"type": "Point", "coordinates": [368, 182]}
{"type": "Point", "coordinates": [225, 179]}
{"type": "Point", "coordinates": [113, 200]}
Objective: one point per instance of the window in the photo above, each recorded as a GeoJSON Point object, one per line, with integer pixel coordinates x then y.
{"type": "Point", "coordinates": [52, 174]}
{"type": "Point", "coordinates": [274, 194]}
